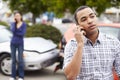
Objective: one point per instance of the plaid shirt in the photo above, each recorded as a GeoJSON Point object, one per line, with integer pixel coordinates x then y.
{"type": "Point", "coordinates": [97, 59]}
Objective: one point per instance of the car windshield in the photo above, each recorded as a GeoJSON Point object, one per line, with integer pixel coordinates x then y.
{"type": "Point", "coordinates": [5, 35]}
{"type": "Point", "coordinates": [110, 30]}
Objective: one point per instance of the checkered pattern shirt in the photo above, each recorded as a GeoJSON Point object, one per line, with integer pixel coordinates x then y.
{"type": "Point", "coordinates": [97, 59]}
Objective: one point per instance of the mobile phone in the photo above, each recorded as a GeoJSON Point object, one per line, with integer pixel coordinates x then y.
{"type": "Point", "coordinates": [84, 33]}
{"type": "Point", "coordinates": [15, 19]}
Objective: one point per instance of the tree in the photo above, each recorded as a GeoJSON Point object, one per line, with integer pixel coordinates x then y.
{"type": "Point", "coordinates": [61, 5]}
{"type": "Point", "coordinates": [24, 6]}
{"type": "Point", "coordinates": [37, 7]}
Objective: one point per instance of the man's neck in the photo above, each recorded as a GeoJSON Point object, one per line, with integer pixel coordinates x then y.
{"type": "Point", "coordinates": [93, 37]}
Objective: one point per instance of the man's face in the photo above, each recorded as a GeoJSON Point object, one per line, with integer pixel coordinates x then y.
{"type": "Point", "coordinates": [88, 20]}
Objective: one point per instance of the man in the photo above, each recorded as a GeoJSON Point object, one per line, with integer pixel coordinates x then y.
{"type": "Point", "coordinates": [91, 55]}
{"type": "Point", "coordinates": [61, 54]}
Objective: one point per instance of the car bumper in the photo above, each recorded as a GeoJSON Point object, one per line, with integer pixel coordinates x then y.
{"type": "Point", "coordinates": [41, 61]}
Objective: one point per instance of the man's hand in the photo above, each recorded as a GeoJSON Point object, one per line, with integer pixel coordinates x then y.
{"type": "Point", "coordinates": [79, 34]}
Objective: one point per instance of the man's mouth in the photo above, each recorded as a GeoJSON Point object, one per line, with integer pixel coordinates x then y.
{"type": "Point", "coordinates": [92, 26]}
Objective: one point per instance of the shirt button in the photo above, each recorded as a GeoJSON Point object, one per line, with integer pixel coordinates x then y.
{"type": "Point", "coordinates": [96, 69]}
{"type": "Point", "coordinates": [94, 57]}
{"type": "Point", "coordinates": [91, 78]}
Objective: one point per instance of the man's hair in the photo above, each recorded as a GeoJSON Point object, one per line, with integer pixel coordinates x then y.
{"type": "Point", "coordinates": [79, 9]}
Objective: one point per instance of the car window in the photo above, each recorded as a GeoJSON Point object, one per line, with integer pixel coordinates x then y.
{"type": "Point", "coordinates": [110, 30]}
{"type": "Point", "coordinates": [5, 35]}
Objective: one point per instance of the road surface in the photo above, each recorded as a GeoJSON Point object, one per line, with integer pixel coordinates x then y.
{"type": "Point", "coordinates": [44, 74]}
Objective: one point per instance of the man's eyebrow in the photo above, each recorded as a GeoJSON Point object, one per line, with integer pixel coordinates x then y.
{"type": "Point", "coordinates": [92, 14]}
{"type": "Point", "coordinates": [85, 16]}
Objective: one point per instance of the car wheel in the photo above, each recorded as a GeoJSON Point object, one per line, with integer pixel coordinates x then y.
{"type": "Point", "coordinates": [5, 64]}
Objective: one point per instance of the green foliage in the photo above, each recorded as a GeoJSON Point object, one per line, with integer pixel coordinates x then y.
{"type": "Point", "coordinates": [99, 5]}
{"type": "Point", "coordinates": [59, 6]}
{"type": "Point", "coordinates": [36, 7]}
{"type": "Point", "coordinates": [4, 24]}
{"type": "Point", "coordinates": [47, 32]}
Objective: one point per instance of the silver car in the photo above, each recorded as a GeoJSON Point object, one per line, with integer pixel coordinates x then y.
{"type": "Point", "coordinates": [38, 52]}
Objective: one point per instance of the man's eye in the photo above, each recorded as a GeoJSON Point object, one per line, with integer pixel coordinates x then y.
{"type": "Point", "coordinates": [84, 19]}
{"type": "Point", "coordinates": [92, 16]}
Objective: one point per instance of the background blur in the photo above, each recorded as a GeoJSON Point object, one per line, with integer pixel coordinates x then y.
{"type": "Point", "coordinates": [50, 19]}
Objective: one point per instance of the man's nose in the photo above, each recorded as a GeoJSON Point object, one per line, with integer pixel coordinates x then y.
{"type": "Point", "coordinates": [89, 21]}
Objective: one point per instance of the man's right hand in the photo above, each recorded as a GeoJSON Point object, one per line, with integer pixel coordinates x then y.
{"type": "Point", "coordinates": [79, 35]}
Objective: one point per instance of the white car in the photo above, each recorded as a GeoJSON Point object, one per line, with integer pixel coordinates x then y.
{"type": "Point", "coordinates": [38, 52]}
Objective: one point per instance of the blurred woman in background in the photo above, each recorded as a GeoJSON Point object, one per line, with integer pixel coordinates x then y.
{"type": "Point", "coordinates": [18, 29]}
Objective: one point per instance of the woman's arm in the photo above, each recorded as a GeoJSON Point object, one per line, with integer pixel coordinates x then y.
{"type": "Point", "coordinates": [22, 31]}
{"type": "Point", "coordinates": [12, 27]}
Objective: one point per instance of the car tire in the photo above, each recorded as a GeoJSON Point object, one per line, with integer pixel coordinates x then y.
{"type": "Point", "coordinates": [5, 64]}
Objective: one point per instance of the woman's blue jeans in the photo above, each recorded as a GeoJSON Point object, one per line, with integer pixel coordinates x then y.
{"type": "Point", "coordinates": [19, 62]}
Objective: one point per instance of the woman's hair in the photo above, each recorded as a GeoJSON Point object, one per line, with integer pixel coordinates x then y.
{"type": "Point", "coordinates": [17, 12]}
{"type": "Point", "coordinates": [79, 9]}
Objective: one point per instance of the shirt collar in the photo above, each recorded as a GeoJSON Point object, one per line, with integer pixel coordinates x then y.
{"type": "Point", "coordinates": [98, 40]}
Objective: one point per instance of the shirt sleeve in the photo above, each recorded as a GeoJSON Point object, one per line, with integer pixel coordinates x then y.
{"type": "Point", "coordinates": [12, 27]}
{"type": "Point", "coordinates": [69, 51]}
{"type": "Point", "coordinates": [117, 58]}
{"type": "Point", "coordinates": [22, 31]}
